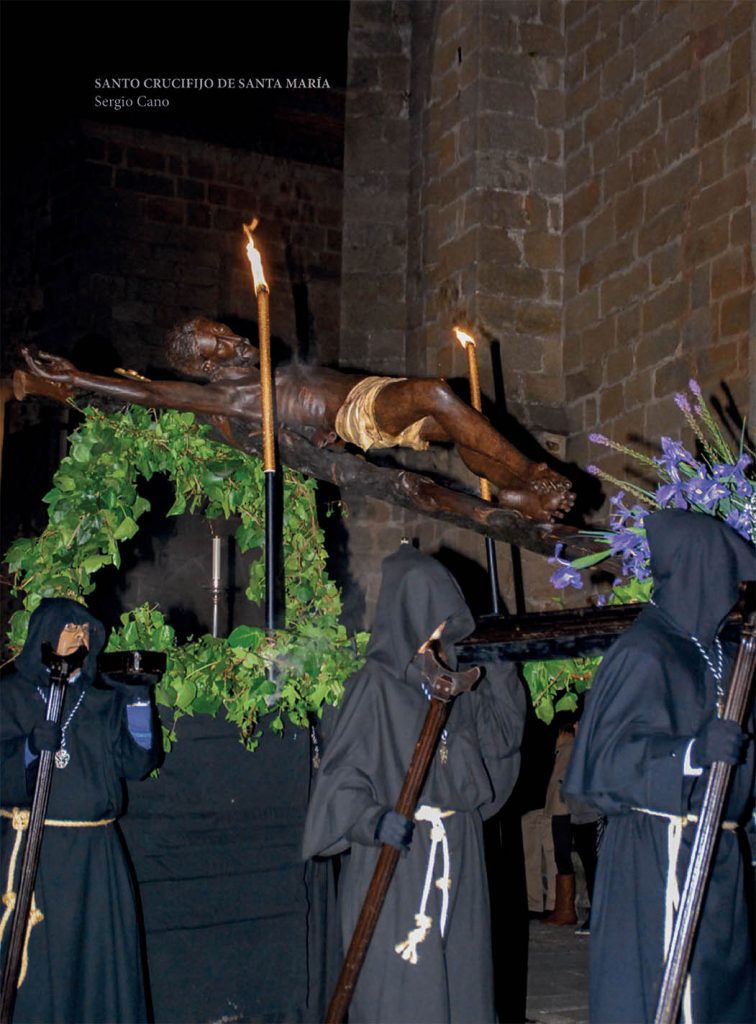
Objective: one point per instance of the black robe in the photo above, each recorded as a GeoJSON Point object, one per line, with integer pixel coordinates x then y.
{"type": "Point", "coordinates": [84, 958]}
{"type": "Point", "coordinates": [361, 774]}
{"type": "Point", "coordinates": [652, 693]}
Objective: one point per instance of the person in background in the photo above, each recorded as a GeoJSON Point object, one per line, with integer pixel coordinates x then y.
{"type": "Point", "coordinates": [535, 824]}
{"type": "Point", "coordinates": [587, 829]}
{"type": "Point", "coordinates": [561, 825]}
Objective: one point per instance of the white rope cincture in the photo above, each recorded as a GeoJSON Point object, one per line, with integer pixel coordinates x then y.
{"type": "Point", "coordinates": [434, 815]}
{"type": "Point", "coordinates": [675, 825]}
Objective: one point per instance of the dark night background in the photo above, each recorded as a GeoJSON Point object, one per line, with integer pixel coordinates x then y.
{"type": "Point", "coordinates": [52, 52]}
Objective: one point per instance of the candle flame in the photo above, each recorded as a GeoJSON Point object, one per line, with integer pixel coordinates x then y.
{"type": "Point", "coordinates": [255, 260]}
{"type": "Point", "coordinates": [464, 338]}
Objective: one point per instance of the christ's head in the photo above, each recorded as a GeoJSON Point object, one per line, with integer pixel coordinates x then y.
{"type": "Point", "coordinates": [205, 349]}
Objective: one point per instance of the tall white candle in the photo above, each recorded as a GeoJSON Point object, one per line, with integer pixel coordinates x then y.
{"type": "Point", "coordinates": [216, 558]}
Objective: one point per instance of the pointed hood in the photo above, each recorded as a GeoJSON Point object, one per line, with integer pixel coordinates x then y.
{"type": "Point", "coordinates": [417, 594]}
{"type": "Point", "coordinates": [697, 563]}
{"type": "Point", "coordinates": [45, 626]}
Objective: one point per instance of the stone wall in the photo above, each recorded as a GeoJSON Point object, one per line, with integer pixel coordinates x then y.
{"type": "Point", "coordinates": [657, 213]}
{"type": "Point", "coordinates": [137, 230]}
{"type": "Point", "coordinates": [480, 183]}
{"type": "Point", "coordinates": [487, 194]}
{"type": "Point", "coordinates": [577, 183]}
{"type": "Point", "coordinates": [376, 188]}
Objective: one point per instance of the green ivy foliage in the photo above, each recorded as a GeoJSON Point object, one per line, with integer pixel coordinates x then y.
{"type": "Point", "coordinates": [94, 505]}
{"type": "Point", "coordinates": [557, 685]}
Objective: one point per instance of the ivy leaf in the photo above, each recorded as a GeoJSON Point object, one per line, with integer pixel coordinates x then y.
{"type": "Point", "coordinates": [178, 507]}
{"type": "Point", "coordinates": [545, 711]}
{"type": "Point", "coordinates": [186, 692]}
{"type": "Point", "coordinates": [94, 562]}
{"type": "Point", "coordinates": [245, 637]}
{"type": "Point", "coordinates": [18, 551]}
{"type": "Point", "coordinates": [568, 702]}
{"type": "Point", "coordinates": [81, 452]}
{"type": "Point", "coordinates": [126, 529]}
{"type": "Point", "coordinates": [206, 704]}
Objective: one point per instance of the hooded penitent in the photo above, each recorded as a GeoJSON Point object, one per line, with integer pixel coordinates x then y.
{"type": "Point", "coordinates": [84, 960]}
{"type": "Point", "coordinates": [654, 692]}
{"type": "Point", "coordinates": [45, 626]}
{"type": "Point", "coordinates": [415, 973]}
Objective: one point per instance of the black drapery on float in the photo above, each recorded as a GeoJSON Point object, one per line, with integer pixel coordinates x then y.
{"type": "Point", "coordinates": [230, 911]}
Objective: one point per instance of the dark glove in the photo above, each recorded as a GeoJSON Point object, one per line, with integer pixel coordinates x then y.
{"type": "Point", "coordinates": [134, 686]}
{"type": "Point", "coordinates": [44, 736]}
{"type": "Point", "coordinates": [720, 740]}
{"type": "Point", "coordinates": [395, 829]}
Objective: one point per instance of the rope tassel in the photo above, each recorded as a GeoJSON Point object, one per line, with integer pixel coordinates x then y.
{"type": "Point", "coordinates": [19, 820]}
{"type": "Point", "coordinates": [434, 815]}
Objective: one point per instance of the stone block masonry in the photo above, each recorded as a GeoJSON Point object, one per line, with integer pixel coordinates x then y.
{"type": "Point", "coordinates": [139, 230]}
{"type": "Point", "coordinates": [571, 180]}
{"type": "Point", "coordinates": [659, 280]}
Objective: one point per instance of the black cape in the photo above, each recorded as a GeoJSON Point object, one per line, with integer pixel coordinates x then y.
{"type": "Point", "coordinates": [652, 693]}
{"type": "Point", "coordinates": [84, 958]}
{"type": "Point", "coordinates": [361, 773]}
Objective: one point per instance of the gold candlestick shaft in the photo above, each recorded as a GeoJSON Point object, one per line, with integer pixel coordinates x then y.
{"type": "Point", "coordinates": [266, 380]}
{"type": "Point", "coordinates": [475, 401]}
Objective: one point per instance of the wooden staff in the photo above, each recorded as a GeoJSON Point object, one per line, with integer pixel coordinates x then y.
{"type": "Point", "coordinates": [60, 669]}
{"type": "Point", "coordinates": [701, 854]}
{"type": "Point", "coordinates": [444, 685]}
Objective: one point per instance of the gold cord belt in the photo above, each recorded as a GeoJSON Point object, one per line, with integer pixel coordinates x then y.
{"type": "Point", "coordinates": [20, 821]}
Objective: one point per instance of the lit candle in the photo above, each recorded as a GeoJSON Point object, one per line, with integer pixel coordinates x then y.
{"type": "Point", "coordinates": [262, 293]}
{"type": "Point", "coordinates": [272, 518]}
{"type": "Point", "coordinates": [468, 344]}
{"type": "Point", "coordinates": [216, 559]}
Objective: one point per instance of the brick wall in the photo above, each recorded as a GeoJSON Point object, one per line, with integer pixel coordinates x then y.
{"type": "Point", "coordinates": [580, 195]}
{"type": "Point", "coordinates": [140, 230]}
{"type": "Point", "coordinates": [657, 212]}
{"type": "Point", "coordinates": [458, 125]}
{"type": "Point", "coordinates": [376, 178]}
{"type": "Point", "coordinates": [489, 196]}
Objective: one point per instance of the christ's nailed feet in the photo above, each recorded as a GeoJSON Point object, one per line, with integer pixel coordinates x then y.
{"type": "Point", "coordinates": [546, 481]}
{"type": "Point", "coordinates": [543, 508]}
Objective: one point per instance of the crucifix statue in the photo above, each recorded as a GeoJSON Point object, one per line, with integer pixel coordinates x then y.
{"type": "Point", "coordinates": [327, 407]}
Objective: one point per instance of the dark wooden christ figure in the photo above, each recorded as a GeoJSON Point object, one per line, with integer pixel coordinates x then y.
{"type": "Point", "coordinates": [328, 407]}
